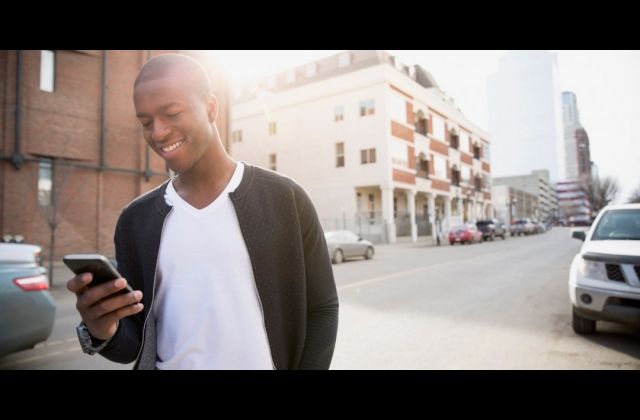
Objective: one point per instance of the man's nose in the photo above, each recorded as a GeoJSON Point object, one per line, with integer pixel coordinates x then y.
{"type": "Point", "coordinates": [160, 131]}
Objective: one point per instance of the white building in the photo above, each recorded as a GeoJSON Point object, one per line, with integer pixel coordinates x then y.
{"type": "Point", "coordinates": [375, 143]}
{"type": "Point", "coordinates": [525, 115]}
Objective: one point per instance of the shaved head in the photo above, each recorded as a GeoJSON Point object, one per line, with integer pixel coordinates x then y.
{"type": "Point", "coordinates": [177, 66]}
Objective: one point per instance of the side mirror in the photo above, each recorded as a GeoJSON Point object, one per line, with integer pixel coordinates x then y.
{"type": "Point", "coordinates": [579, 234]}
{"type": "Point", "coordinates": [359, 238]}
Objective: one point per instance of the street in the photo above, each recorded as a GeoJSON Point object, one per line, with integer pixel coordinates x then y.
{"type": "Point", "coordinates": [494, 305]}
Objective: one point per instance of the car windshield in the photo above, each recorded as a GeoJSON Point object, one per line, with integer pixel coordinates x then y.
{"type": "Point", "coordinates": [618, 225]}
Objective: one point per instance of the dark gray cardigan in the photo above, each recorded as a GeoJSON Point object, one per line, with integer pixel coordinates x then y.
{"type": "Point", "coordinates": [290, 261]}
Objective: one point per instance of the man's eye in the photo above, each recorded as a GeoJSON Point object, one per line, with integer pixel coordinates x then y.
{"type": "Point", "coordinates": [175, 114]}
{"type": "Point", "coordinates": [146, 124]}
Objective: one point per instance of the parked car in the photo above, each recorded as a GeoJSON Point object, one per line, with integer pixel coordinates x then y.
{"type": "Point", "coordinates": [491, 228]}
{"type": "Point", "coordinates": [523, 227]}
{"type": "Point", "coordinates": [467, 233]}
{"type": "Point", "coordinates": [345, 244]}
{"type": "Point", "coordinates": [604, 280]}
{"type": "Point", "coordinates": [27, 310]}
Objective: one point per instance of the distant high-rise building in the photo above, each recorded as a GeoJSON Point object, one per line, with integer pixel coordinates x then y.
{"type": "Point", "coordinates": [573, 201]}
{"type": "Point", "coordinates": [525, 115]}
{"type": "Point", "coordinates": [576, 142]}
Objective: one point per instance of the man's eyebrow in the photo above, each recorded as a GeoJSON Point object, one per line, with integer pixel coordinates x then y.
{"type": "Point", "coordinates": [162, 108]}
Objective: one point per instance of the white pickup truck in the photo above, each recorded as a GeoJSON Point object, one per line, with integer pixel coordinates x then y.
{"type": "Point", "coordinates": [604, 281]}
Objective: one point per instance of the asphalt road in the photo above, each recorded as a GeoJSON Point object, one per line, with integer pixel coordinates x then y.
{"type": "Point", "coordinates": [495, 305]}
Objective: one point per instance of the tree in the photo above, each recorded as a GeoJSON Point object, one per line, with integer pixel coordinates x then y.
{"type": "Point", "coordinates": [635, 196]}
{"type": "Point", "coordinates": [602, 191]}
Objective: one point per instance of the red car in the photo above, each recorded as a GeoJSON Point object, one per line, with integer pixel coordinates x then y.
{"type": "Point", "coordinates": [468, 233]}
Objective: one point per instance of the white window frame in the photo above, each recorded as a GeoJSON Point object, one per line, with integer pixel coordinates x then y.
{"type": "Point", "coordinates": [440, 167]}
{"type": "Point", "coordinates": [399, 153]}
{"type": "Point", "coordinates": [310, 70]}
{"type": "Point", "coordinates": [437, 128]}
{"type": "Point", "coordinates": [369, 107]}
{"type": "Point", "coordinates": [398, 109]}
{"type": "Point", "coordinates": [338, 113]}
{"type": "Point", "coordinates": [464, 141]}
{"type": "Point", "coordinates": [344, 60]}
{"type": "Point", "coordinates": [290, 76]}
{"type": "Point", "coordinates": [47, 70]}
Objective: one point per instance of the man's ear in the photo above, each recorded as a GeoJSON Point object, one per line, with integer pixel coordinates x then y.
{"type": "Point", "coordinates": [212, 108]}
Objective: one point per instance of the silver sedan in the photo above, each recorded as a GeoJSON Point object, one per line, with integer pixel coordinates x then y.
{"type": "Point", "coordinates": [345, 244]}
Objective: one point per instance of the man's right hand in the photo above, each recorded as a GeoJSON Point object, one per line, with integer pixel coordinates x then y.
{"type": "Point", "coordinates": [99, 308]}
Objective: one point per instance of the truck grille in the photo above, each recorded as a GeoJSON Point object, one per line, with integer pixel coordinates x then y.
{"type": "Point", "coordinates": [614, 272]}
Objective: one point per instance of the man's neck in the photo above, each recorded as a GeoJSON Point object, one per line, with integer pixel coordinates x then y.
{"type": "Point", "coordinates": [203, 183]}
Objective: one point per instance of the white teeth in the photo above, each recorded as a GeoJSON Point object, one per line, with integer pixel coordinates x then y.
{"type": "Point", "coordinates": [172, 147]}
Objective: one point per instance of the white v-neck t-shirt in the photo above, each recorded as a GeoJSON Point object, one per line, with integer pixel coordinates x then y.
{"type": "Point", "coordinates": [207, 308]}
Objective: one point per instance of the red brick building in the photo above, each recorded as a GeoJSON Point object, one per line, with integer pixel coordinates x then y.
{"type": "Point", "coordinates": [70, 141]}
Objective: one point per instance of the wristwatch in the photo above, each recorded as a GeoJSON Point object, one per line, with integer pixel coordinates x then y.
{"type": "Point", "coordinates": [87, 341]}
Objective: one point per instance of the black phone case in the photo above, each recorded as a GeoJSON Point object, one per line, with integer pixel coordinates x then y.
{"type": "Point", "coordinates": [101, 272]}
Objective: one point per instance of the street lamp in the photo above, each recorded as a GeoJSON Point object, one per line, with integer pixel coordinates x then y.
{"type": "Point", "coordinates": [512, 203]}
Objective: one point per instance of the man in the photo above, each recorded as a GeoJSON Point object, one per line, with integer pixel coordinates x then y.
{"type": "Point", "coordinates": [228, 261]}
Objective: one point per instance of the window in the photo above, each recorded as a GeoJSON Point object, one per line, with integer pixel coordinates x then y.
{"type": "Point", "coordinates": [421, 125]}
{"type": "Point", "coordinates": [272, 128]}
{"type": "Point", "coordinates": [478, 183]}
{"type": "Point", "coordinates": [438, 128]}
{"type": "Point", "coordinates": [367, 156]}
{"type": "Point", "coordinates": [398, 109]}
{"type": "Point", "coordinates": [395, 207]}
{"type": "Point", "coordinates": [236, 136]}
{"type": "Point", "coordinates": [455, 177]}
{"type": "Point", "coordinates": [310, 70]}
{"type": "Point", "coordinates": [45, 182]}
{"type": "Point", "coordinates": [339, 155]}
{"type": "Point", "coordinates": [367, 107]}
{"type": "Point", "coordinates": [476, 151]}
{"type": "Point", "coordinates": [454, 140]}
{"type": "Point", "coordinates": [272, 162]}
{"type": "Point", "coordinates": [291, 76]}
{"type": "Point", "coordinates": [47, 70]}
{"type": "Point", "coordinates": [344, 60]}
{"type": "Point", "coordinates": [422, 169]}
{"type": "Point", "coordinates": [372, 207]}
{"type": "Point", "coordinates": [485, 151]}
{"type": "Point", "coordinates": [399, 153]}
{"type": "Point", "coordinates": [464, 142]}
{"type": "Point", "coordinates": [338, 113]}
{"type": "Point", "coordinates": [440, 167]}
{"type": "Point", "coordinates": [466, 174]}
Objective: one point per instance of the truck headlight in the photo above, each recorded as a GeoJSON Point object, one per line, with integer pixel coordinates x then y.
{"type": "Point", "coordinates": [592, 269]}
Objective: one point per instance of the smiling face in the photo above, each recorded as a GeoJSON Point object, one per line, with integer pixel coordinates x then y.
{"type": "Point", "coordinates": [177, 118]}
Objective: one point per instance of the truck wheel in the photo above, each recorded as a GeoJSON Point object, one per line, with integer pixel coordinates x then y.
{"type": "Point", "coordinates": [582, 325]}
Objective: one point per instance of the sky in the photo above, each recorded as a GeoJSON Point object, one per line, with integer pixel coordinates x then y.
{"type": "Point", "coordinates": [606, 84]}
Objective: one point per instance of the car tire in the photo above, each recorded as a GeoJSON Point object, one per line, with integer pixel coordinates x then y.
{"type": "Point", "coordinates": [582, 326]}
{"type": "Point", "coordinates": [338, 256]}
{"type": "Point", "coordinates": [369, 254]}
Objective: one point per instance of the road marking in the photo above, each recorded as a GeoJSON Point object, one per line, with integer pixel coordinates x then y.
{"type": "Point", "coordinates": [415, 270]}
{"type": "Point", "coordinates": [44, 356]}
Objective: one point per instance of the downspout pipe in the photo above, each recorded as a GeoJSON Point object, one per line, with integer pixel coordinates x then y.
{"type": "Point", "coordinates": [17, 158]}
{"type": "Point", "coordinates": [103, 110]}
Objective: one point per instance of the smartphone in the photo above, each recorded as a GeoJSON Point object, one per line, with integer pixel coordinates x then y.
{"type": "Point", "coordinates": [96, 264]}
